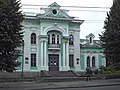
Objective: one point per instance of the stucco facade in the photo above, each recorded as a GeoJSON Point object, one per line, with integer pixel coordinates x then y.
{"type": "Point", "coordinates": [52, 42]}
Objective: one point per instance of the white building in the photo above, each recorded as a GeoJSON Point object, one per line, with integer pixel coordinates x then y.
{"type": "Point", "coordinates": [52, 42]}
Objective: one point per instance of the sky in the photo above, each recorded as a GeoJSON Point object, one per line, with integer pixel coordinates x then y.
{"type": "Point", "coordinates": [94, 17]}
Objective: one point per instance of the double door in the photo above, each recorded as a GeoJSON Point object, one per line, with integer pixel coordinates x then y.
{"type": "Point", "coordinates": [53, 62]}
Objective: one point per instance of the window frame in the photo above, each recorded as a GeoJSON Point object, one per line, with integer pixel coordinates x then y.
{"type": "Point", "coordinates": [88, 61]}
{"type": "Point", "coordinates": [33, 60]}
{"type": "Point", "coordinates": [53, 38]}
{"type": "Point", "coordinates": [71, 60]}
{"type": "Point", "coordinates": [93, 61]}
{"type": "Point", "coordinates": [33, 38]}
{"type": "Point", "coordinates": [71, 40]}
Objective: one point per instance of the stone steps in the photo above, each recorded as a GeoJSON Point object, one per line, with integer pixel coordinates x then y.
{"type": "Point", "coordinates": [62, 74]}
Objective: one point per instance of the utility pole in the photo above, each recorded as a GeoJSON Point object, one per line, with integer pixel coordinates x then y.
{"type": "Point", "coordinates": [22, 58]}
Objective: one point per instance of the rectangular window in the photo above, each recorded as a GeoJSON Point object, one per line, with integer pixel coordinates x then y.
{"type": "Point", "coordinates": [71, 60]}
{"type": "Point", "coordinates": [53, 38]}
{"type": "Point", "coordinates": [33, 60]}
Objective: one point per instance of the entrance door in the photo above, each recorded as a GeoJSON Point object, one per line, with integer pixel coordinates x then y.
{"type": "Point", "coordinates": [53, 62]}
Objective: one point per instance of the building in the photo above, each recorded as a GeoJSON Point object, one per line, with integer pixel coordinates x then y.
{"type": "Point", "coordinates": [52, 43]}
{"type": "Point", "coordinates": [91, 53]}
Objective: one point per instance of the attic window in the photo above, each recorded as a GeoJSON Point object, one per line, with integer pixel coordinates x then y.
{"type": "Point", "coordinates": [54, 11]}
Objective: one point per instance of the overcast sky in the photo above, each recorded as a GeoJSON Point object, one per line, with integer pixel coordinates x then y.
{"type": "Point", "coordinates": [98, 15]}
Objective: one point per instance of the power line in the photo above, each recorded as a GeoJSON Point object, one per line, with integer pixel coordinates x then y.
{"type": "Point", "coordinates": [67, 6]}
{"type": "Point", "coordinates": [90, 10]}
{"type": "Point", "coordinates": [86, 21]}
{"type": "Point", "coordinates": [80, 7]}
{"type": "Point", "coordinates": [86, 7]}
{"type": "Point", "coordinates": [73, 10]}
{"type": "Point", "coordinates": [32, 5]}
{"type": "Point", "coordinates": [93, 22]}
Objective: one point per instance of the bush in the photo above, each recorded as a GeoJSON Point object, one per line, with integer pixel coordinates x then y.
{"type": "Point", "coordinates": [96, 71]}
{"type": "Point", "coordinates": [108, 71]}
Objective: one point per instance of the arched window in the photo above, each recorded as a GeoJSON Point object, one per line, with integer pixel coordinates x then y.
{"type": "Point", "coordinates": [33, 38]}
{"type": "Point", "coordinates": [71, 40]}
{"type": "Point", "coordinates": [93, 61]}
{"type": "Point", "coordinates": [88, 61]}
{"type": "Point", "coordinates": [53, 38]}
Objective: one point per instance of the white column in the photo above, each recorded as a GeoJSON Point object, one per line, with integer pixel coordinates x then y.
{"type": "Point", "coordinates": [63, 55]}
{"type": "Point", "coordinates": [90, 60]}
{"type": "Point", "coordinates": [67, 54]}
{"type": "Point", "coordinates": [45, 52]}
{"type": "Point", "coordinates": [50, 38]}
{"type": "Point", "coordinates": [45, 55]}
{"type": "Point", "coordinates": [38, 55]}
{"type": "Point", "coordinates": [56, 39]}
{"type": "Point", "coordinates": [41, 53]}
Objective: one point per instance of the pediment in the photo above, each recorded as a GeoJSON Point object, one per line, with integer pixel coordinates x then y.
{"type": "Point", "coordinates": [94, 44]}
{"type": "Point", "coordinates": [58, 14]}
{"type": "Point", "coordinates": [54, 11]}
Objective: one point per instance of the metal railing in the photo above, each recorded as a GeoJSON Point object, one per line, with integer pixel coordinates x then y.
{"type": "Point", "coordinates": [53, 46]}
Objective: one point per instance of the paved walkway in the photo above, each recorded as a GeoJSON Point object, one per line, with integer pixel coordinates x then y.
{"type": "Point", "coordinates": [59, 85]}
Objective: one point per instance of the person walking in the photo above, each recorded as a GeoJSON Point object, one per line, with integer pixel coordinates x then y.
{"type": "Point", "coordinates": [88, 73]}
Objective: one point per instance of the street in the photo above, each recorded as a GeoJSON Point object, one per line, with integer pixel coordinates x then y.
{"type": "Point", "coordinates": [93, 88]}
{"type": "Point", "coordinates": [115, 87]}
{"type": "Point", "coordinates": [111, 84]}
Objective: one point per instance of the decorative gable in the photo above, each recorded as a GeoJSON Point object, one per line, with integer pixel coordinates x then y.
{"type": "Point", "coordinates": [54, 11]}
{"type": "Point", "coordinates": [54, 6]}
{"type": "Point", "coordinates": [90, 35]}
{"type": "Point", "coordinates": [90, 42]}
{"type": "Point", "coordinates": [57, 13]}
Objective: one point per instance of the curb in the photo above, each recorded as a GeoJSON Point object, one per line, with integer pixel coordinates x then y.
{"type": "Point", "coordinates": [84, 86]}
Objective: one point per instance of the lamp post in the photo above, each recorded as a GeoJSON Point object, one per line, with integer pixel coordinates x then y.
{"type": "Point", "coordinates": [22, 58]}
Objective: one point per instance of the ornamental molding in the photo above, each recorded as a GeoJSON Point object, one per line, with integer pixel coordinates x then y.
{"type": "Point", "coordinates": [55, 27]}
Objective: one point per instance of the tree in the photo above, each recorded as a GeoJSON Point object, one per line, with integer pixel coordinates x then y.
{"type": "Point", "coordinates": [111, 36]}
{"type": "Point", "coordinates": [10, 33]}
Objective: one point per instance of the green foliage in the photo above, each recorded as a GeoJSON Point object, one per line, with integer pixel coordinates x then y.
{"type": "Point", "coordinates": [111, 36]}
{"type": "Point", "coordinates": [108, 71]}
{"type": "Point", "coordinates": [10, 33]}
{"type": "Point", "coordinates": [96, 71]}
